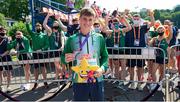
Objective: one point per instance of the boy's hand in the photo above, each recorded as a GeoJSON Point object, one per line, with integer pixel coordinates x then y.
{"type": "Point", "coordinates": [69, 57]}
{"type": "Point", "coordinates": [99, 72]}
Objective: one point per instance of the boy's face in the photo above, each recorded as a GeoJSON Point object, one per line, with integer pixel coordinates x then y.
{"type": "Point", "coordinates": [86, 22]}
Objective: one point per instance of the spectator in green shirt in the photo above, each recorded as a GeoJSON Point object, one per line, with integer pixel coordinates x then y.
{"type": "Point", "coordinates": [22, 49]}
{"type": "Point", "coordinates": [56, 41]}
{"type": "Point", "coordinates": [161, 42]}
{"type": "Point", "coordinates": [40, 43]}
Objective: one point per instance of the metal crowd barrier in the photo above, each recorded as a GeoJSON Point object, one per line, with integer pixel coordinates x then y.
{"type": "Point", "coordinates": [16, 64]}
{"type": "Point", "coordinates": [48, 57]}
{"type": "Point", "coordinates": [173, 73]}
{"type": "Point", "coordinates": [127, 56]}
{"type": "Point", "coordinates": [136, 57]}
{"type": "Point", "coordinates": [137, 53]}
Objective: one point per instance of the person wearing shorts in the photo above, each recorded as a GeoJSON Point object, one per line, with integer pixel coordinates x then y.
{"type": "Point", "coordinates": [4, 57]}
{"type": "Point", "coordinates": [40, 43]}
{"type": "Point", "coordinates": [136, 38]}
{"type": "Point", "coordinates": [116, 39]}
{"type": "Point", "coordinates": [161, 42]}
{"type": "Point", "coordinates": [22, 50]}
{"type": "Point", "coordinates": [152, 33]}
{"type": "Point", "coordinates": [56, 41]}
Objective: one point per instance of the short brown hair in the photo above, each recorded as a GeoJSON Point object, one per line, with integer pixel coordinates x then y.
{"type": "Point", "coordinates": [2, 28]}
{"type": "Point", "coordinates": [38, 24]}
{"type": "Point", "coordinates": [87, 11]}
{"type": "Point", "coordinates": [115, 20]}
{"type": "Point", "coordinates": [75, 19]}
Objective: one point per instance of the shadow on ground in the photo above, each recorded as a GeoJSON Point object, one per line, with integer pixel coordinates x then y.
{"type": "Point", "coordinates": [111, 94]}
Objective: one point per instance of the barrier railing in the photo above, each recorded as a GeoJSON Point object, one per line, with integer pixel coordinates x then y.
{"type": "Point", "coordinates": [136, 54]}
{"type": "Point", "coordinates": [16, 64]}
{"type": "Point", "coordinates": [119, 58]}
{"type": "Point", "coordinates": [146, 61]}
{"type": "Point", "coordinates": [173, 72]}
{"type": "Point", "coordinates": [47, 57]}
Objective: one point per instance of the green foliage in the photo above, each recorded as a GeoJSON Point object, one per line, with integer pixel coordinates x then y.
{"type": "Point", "coordinates": [3, 20]}
{"type": "Point", "coordinates": [165, 16]}
{"type": "Point", "coordinates": [156, 14]}
{"type": "Point", "coordinates": [176, 18]}
{"type": "Point", "coordinates": [173, 15]}
{"type": "Point", "coordinates": [177, 8]}
{"type": "Point", "coordinates": [18, 9]}
{"type": "Point", "coordinates": [18, 26]}
{"type": "Point", "coordinates": [143, 14]}
{"type": "Point", "coordinates": [60, 1]}
{"type": "Point", "coordinates": [15, 9]}
{"type": "Point", "coordinates": [78, 3]}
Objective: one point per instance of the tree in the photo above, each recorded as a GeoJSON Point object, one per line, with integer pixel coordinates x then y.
{"type": "Point", "coordinates": [3, 20]}
{"type": "Point", "coordinates": [18, 26]}
{"type": "Point", "coordinates": [15, 9]}
{"type": "Point", "coordinates": [78, 3]}
{"type": "Point", "coordinates": [156, 14]}
{"type": "Point", "coordinates": [18, 9]}
{"type": "Point", "coordinates": [176, 19]}
{"type": "Point", "coordinates": [143, 12]}
{"type": "Point", "coordinates": [60, 1]}
{"type": "Point", "coordinates": [177, 8]}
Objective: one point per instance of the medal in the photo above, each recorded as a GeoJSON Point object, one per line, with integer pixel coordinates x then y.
{"type": "Point", "coordinates": [136, 40]}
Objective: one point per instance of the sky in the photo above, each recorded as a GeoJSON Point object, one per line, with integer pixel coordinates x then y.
{"type": "Point", "coordinates": [136, 5]}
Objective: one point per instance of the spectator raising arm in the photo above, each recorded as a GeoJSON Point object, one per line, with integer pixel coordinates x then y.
{"type": "Point", "coordinates": [46, 27]}
{"type": "Point", "coordinates": [151, 15]}
{"type": "Point", "coordinates": [28, 26]}
{"type": "Point", "coordinates": [116, 23]}
{"type": "Point", "coordinates": [62, 26]}
{"type": "Point", "coordinates": [124, 21]}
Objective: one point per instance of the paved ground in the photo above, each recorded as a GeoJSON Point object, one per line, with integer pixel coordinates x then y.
{"type": "Point", "coordinates": [111, 94]}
